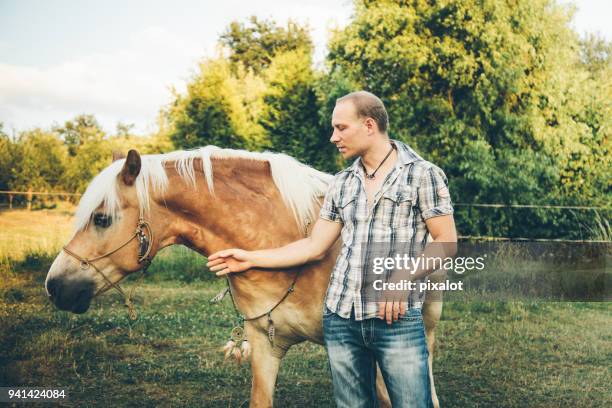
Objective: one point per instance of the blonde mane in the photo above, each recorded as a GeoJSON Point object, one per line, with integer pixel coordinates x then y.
{"type": "Point", "coordinates": [298, 184]}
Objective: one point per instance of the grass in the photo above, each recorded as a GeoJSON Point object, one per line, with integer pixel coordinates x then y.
{"type": "Point", "coordinates": [24, 232]}
{"type": "Point", "coordinates": [489, 353]}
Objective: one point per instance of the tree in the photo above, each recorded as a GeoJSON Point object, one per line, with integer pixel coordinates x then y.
{"type": "Point", "coordinates": [595, 54]}
{"type": "Point", "coordinates": [225, 100]}
{"type": "Point", "coordinates": [291, 112]}
{"type": "Point", "coordinates": [89, 151]}
{"type": "Point", "coordinates": [596, 112]}
{"type": "Point", "coordinates": [124, 130]}
{"type": "Point", "coordinates": [254, 44]}
{"type": "Point", "coordinates": [220, 108]}
{"type": "Point", "coordinates": [7, 159]}
{"type": "Point", "coordinates": [80, 130]}
{"type": "Point", "coordinates": [38, 161]}
{"type": "Point", "coordinates": [483, 87]}
{"type": "Point", "coordinates": [263, 96]}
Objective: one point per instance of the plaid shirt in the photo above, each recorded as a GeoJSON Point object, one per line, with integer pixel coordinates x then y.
{"type": "Point", "coordinates": [413, 191]}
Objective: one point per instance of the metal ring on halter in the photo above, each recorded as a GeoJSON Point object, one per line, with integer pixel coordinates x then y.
{"type": "Point", "coordinates": [145, 242]}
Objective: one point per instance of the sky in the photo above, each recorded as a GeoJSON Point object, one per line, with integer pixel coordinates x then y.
{"type": "Point", "coordinates": [120, 60]}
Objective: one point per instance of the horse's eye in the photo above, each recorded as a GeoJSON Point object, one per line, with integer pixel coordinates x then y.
{"type": "Point", "coordinates": [103, 220]}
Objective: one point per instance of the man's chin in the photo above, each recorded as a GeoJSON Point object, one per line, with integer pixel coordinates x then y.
{"type": "Point", "coordinates": [347, 155]}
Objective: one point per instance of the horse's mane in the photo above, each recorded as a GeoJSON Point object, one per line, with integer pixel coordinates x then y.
{"type": "Point", "coordinates": [299, 185]}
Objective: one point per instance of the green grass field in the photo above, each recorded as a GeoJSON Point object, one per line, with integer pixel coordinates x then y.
{"type": "Point", "coordinates": [489, 353]}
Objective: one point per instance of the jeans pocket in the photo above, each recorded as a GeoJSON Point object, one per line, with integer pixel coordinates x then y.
{"type": "Point", "coordinates": [327, 313]}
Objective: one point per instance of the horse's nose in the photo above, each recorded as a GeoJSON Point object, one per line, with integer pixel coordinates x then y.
{"type": "Point", "coordinates": [53, 287]}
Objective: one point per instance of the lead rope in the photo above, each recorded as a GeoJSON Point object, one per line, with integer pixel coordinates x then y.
{"type": "Point", "coordinates": [238, 345]}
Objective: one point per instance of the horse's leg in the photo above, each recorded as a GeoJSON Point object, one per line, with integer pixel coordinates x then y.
{"type": "Point", "coordinates": [381, 390]}
{"type": "Point", "coordinates": [431, 317]}
{"type": "Point", "coordinates": [264, 367]}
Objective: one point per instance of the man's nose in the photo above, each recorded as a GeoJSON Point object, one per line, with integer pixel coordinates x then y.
{"type": "Point", "coordinates": [334, 137]}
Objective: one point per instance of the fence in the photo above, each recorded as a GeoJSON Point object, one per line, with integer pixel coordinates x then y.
{"type": "Point", "coordinates": [30, 195]}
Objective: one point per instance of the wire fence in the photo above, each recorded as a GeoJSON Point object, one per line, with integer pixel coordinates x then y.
{"type": "Point", "coordinates": [48, 193]}
{"type": "Point", "coordinates": [483, 205]}
{"type": "Point", "coordinates": [519, 239]}
{"type": "Point", "coordinates": [554, 207]}
{"type": "Point", "coordinates": [29, 195]}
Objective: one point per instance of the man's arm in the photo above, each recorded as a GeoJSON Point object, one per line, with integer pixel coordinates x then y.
{"type": "Point", "coordinates": [442, 230]}
{"type": "Point", "coordinates": [444, 234]}
{"type": "Point", "coordinates": [313, 248]}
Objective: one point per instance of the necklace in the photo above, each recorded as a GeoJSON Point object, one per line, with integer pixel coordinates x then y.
{"type": "Point", "coordinates": [373, 174]}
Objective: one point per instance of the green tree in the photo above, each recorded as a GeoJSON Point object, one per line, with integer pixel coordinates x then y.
{"type": "Point", "coordinates": [79, 131]}
{"type": "Point", "coordinates": [220, 108]}
{"type": "Point", "coordinates": [124, 139]}
{"type": "Point", "coordinates": [264, 95]}
{"type": "Point", "coordinates": [89, 151]}
{"type": "Point", "coordinates": [595, 54]}
{"type": "Point", "coordinates": [596, 113]}
{"type": "Point", "coordinates": [492, 91]}
{"type": "Point", "coordinates": [124, 130]}
{"type": "Point", "coordinates": [225, 100]}
{"type": "Point", "coordinates": [254, 44]}
{"type": "Point", "coordinates": [291, 113]}
{"type": "Point", "coordinates": [39, 159]}
{"type": "Point", "coordinates": [7, 159]}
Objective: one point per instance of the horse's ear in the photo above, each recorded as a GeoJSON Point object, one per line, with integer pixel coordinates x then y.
{"type": "Point", "coordinates": [117, 155]}
{"type": "Point", "coordinates": [131, 168]}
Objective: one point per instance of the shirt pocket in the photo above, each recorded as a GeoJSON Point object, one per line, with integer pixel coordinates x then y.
{"type": "Point", "coordinates": [346, 207]}
{"type": "Point", "coordinates": [399, 206]}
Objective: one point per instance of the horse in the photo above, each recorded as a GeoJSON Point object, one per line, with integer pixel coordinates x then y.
{"type": "Point", "coordinates": [251, 200]}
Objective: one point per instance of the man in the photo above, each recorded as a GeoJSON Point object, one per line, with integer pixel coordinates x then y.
{"type": "Point", "coordinates": [388, 193]}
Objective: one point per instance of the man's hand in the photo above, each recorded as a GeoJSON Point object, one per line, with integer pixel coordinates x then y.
{"type": "Point", "coordinates": [313, 248]}
{"type": "Point", "coordinates": [229, 261]}
{"type": "Point", "coordinates": [391, 310]}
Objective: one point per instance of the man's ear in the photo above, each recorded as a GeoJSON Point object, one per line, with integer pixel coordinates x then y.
{"type": "Point", "coordinates": [370, 123]}
{"type": "Point", "coordinates": [131, 168]}
{"type": "Point", "coordinates": [117, 155]}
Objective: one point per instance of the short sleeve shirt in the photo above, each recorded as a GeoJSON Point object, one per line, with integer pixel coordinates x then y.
{"type": "Point", "coordinates": [414, 191]}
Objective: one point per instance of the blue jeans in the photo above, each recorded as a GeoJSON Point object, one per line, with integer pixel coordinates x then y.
{"type": "Point", "coordinates": [354, 347]}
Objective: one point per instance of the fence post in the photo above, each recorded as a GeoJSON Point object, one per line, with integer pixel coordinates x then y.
{"type": "Point", "coordinates": [29, 198]}
{"type": "Point", "coordinates": [10, 201]}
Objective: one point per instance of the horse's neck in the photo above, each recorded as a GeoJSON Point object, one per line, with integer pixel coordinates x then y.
{"type": "Point", "coordinates": [246, 211]}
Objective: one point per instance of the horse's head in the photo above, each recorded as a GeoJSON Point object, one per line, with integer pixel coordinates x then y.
{"type": "Point", "coordinates": [107, 243]}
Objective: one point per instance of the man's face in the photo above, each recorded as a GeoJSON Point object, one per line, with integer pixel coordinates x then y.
{"type": "Point", "coordinates": [350, 131]}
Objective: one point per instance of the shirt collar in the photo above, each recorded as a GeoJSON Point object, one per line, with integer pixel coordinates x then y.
{"type": "Point", "coordinates": [405, 155]}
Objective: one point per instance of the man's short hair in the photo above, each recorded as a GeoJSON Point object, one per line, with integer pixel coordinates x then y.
{"type": "Point", "coordinates": [368, 105]}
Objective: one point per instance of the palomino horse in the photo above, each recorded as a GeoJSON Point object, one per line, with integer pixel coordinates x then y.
{"type": "Point", "coordinates": [257, 200]}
